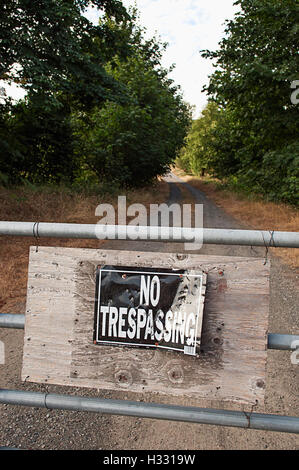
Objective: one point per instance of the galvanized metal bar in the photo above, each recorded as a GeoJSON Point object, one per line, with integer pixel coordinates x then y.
{"type": "Point", "coordinates": [275, 341]}
{"type": "Point", "coordinates": [165, 234]}
{"type": "Point", "coordinates": [216, 417]}
{"type": "Point", "coordinates": [9, 448]}
{"type": "Point", "coordinates": [12, 320]}
{"type": "Point", "coordinates": [283, 342]}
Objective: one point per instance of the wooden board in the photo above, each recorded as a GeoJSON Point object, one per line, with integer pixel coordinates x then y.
{"type": "Point", "coordinates": [58, 341]}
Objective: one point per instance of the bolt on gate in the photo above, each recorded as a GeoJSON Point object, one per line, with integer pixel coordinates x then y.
{"type": "Point", "coordinates": [241, 419]}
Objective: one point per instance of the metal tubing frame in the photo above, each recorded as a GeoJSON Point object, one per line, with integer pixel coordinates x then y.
{"type": "Point", "coordinates": [164, 234]}
{"type": "Point", "coordinates": [240, 419]}
{"type": "Point", "coordinates": [230, 418]}
{"type": "Point", "coordinates": [12, 320]}
{"type": "Point", "coordinates": [283, 342]}
{"type": "Point", "coordinates": [275, 341]}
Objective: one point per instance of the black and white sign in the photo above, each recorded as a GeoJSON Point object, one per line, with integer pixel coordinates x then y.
{"type": "Point", "coordinates": [147, 307]}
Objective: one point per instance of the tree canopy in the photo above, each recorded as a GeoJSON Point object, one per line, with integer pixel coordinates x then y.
{"type": "Point", "coordinates": [50, 48]}
{"type": "Point", "coordinates": [254, 139]}
{"type": "Point", "coordinates": [133, 142]}
{"type": "Point", "coordinates": [100, 107]}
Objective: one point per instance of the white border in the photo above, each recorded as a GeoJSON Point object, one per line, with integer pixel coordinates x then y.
{"type": "Point", "coordinates": [149, 272]}
{"type": "Point", "coordinates": [116, 343]}
{"type": "Point", "coordinates": [98, 312]}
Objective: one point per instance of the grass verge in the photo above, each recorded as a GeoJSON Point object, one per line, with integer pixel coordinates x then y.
{"type": "Point", "coordinates": [252, 211]}
{"type": "Point", "coordinates": [52, 204]}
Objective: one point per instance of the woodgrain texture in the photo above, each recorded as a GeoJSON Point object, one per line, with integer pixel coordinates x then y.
{"type": "Point", "coordinates": [58, 342]}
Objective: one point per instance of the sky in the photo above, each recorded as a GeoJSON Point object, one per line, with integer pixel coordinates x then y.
{"type": "Point", "coordinates": [188, 26]}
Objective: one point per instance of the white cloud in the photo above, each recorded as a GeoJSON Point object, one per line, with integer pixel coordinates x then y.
{"type": "Point", "coordinates": [14, 91]}
{"type": "Point", "coordinates": [92, 14]}
{"type": "Point", "coordinates": [188, 26]}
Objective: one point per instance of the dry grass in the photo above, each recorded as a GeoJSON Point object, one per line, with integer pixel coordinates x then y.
{"type": "Point", "coordinates": [45, 205]}
{"type": "Point", "coordinates": [254, 214]}
{"type": "Point", "coordinates": [25, 204]}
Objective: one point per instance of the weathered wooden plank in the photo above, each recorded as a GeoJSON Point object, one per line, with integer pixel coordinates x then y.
{"type": "Point", "coordinates": [59, 345]}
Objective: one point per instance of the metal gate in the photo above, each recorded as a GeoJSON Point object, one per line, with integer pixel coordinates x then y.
{"type": "Point", "coordinates": [241, 419]}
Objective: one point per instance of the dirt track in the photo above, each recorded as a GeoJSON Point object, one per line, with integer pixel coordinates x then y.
{"type": "Point", "coordinates": [29, 428]}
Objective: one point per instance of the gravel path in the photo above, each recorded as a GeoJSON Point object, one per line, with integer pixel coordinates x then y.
{"type": "Point", "coordinates": [31, 428]}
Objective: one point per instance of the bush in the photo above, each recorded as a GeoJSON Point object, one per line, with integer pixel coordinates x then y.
{"type": "Point", "coordinates": [279, 174]}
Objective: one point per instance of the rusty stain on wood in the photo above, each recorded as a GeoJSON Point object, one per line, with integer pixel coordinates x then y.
{"type": "Point", "coordinates": [60, 319]}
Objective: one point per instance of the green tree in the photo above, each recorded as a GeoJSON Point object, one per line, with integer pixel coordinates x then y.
{"type": "Point", "coordinates": [255, 65]}
{"type": "Point", "coordinates": [197, 155]}
{"type": "Point", "coordinates": [132, 143]}
{"type": "Point", "coordinates": [49, 47]}
{"type": "Point", "coordinates": [99, 102]}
